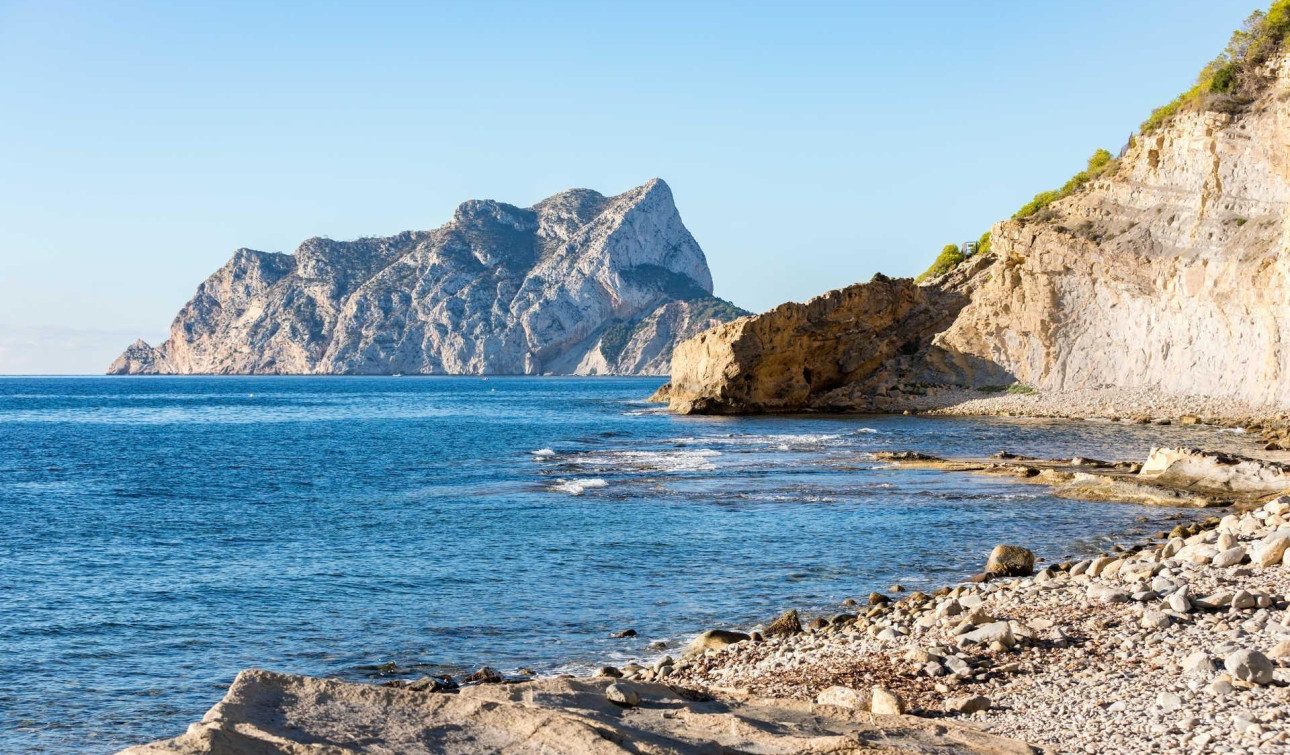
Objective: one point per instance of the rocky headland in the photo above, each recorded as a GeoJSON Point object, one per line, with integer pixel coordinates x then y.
{"type": "Point", "coordinates": [1157, 283]}
{"type": "Point", "coordinates": [579, 283]}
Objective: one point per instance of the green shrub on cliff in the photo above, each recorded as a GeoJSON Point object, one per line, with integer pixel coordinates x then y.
{"type": "Point", "coordinates": [1016, 389]}
{"type": "Point", "coordinates": [614, 340]}
{"type": "Point", "coordinates": [1041, 200]}
{"type": "Point", "coordinates": [1099, 164]}
{"type": "Point", "coordinates": [947, 260]}
{"type": "Point", "coordinates": [1231, 81]}
{"type": "Point", "coordinates": [983, 243]}
{"type": "Point", "coordinates": [951, 256]}
{"type": "Point", "coordinates": [713, 308]}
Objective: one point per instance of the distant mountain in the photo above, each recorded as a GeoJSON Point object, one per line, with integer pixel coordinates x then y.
{"type": "Point", "coordinates": [579, 283]}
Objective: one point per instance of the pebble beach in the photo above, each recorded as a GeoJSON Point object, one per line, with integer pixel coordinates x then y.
{"type": "Point", "coordinates": [1182, 645]}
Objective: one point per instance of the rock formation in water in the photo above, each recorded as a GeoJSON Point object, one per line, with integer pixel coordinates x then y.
{"type": "Point", "coordinates": [1169, 270]}
{"type": "Point", "coordinates": [579, 283]}
{"type": "Point", "coordinates": [829, 353]}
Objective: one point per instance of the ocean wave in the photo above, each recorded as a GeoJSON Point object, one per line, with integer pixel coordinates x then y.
{"type": "Point", "coordinates": [777, 441]}
{"type": "Point", "coordinates": [578, 487]}
{"type": "Point", "coordinates": [543, 453]}
{"type": "Point", "coordinates": [697, 460]}
{"type": "Point", "coordinates": [645, 412]}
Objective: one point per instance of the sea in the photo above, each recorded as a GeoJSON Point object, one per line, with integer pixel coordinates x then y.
{"type": "Point", "coordinates": [159, 534]}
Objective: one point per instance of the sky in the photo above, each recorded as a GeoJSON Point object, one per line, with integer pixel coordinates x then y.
{"type": "Point", "coordinates": [808, 144]}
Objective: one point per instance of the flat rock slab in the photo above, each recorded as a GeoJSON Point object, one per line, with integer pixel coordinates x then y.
{"type": "Point", "coordinates": [266, 712]}
{"type": "Point", "coordinates": [1087, 480]}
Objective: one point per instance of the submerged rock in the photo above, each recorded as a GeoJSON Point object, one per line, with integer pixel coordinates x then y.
{"type": "Point", "coordinates": [485, 675]}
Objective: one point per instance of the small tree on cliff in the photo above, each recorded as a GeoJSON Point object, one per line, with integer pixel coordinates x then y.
{"type": "Point", "coordinates": [947, 260]}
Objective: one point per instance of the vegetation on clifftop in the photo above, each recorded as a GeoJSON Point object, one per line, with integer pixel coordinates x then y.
{"type": "Point", "coordinates": [951, 255]}
{"type": "Point", "coordinates": [619, 333]}
{"type": "Point", "coordinates": [1231, 81]}
{"type": "Point", "coordinates": [1101, 163]}
{"type": "Point", "coordinates": [947, 260]}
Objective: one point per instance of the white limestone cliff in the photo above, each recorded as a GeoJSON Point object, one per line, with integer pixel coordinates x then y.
{"type": "Point", "coordinates": [1173, 274]}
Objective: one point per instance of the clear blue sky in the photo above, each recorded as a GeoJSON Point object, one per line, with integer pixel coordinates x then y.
{"type": "Point", "coordinates": [808, 144]}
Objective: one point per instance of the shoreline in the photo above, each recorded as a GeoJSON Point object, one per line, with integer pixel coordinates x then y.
{"type": "Point", "coordinates": [729, 672]}
{"type": "Point", "coordinates": [1139, 406]}
{"type": "Point", "coordinates": [994, 653]}
{"type": "Point", "coordinates": [1125, 405]}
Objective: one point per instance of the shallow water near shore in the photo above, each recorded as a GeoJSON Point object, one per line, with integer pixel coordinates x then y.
{"type": "Point", "coordinates": [161, 534]}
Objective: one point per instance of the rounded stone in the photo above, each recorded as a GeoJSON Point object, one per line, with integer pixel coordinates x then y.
{"type": "Point", "coordinates": [969, 704]}
{"type": "Point", "coordinates": [1010, 561]}
{"type": "Point", "coordinates": [886, 702]}
{"type": "Point", "coordinates": [622, 693]}
{"type": "Point", "coordinates": [1249, 666]}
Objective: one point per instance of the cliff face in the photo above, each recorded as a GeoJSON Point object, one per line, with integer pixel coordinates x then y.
{"type": "Point", "coordinates": [578, 283]}
{"type": "Point", "coordinates": [1171, 272]}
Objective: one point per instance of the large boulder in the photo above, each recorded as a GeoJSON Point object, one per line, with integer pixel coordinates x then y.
{"type": "Point", "coordinates": [1010, 561]}
{"type": "Point", "coordinates": [1214, 470]}
{"type": "Point", "coordinates": [1273, 551]}
{"type": "Point", "coordinates": [830, 353]}
{"type": "Point", "coordinates": [713, 639]}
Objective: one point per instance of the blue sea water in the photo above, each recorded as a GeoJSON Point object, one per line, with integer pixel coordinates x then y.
{"type": "Point", "coordinates": [159, 534]}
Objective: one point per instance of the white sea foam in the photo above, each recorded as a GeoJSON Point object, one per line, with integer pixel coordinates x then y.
{"type": "Point", "coordinates": [645, 412]}
{"type": "Point", "coordinates": [543, 453]}
{"type": "Point", "coordinates": [578, 487]}
{"type": "Point", "coordinates": [697, 460]}
{"type": "Point", "coordinates": [773, 441]}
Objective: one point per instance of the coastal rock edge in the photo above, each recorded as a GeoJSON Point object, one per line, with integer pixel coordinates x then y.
{"type": "Point", "coordinates": [266, 712]}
